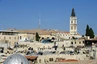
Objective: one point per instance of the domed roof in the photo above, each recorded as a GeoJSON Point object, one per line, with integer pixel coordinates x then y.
{"type": "Point", "coordinates": [16, 59]}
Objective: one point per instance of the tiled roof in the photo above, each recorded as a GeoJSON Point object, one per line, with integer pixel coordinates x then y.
{"type": "Point", "coordinates": [68, 60]}
{"type": "Point", "coordinates": [31, 57]}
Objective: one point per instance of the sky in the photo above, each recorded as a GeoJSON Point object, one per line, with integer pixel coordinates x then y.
{"type": "Point", "coordinates": [54, 14]}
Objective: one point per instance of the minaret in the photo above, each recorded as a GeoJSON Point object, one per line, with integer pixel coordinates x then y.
{"type": "Point", "coordinates": [73, 23]}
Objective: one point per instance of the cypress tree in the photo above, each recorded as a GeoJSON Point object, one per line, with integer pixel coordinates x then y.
{"type": "Point", "coordinates": [91, 33]}
{"type": "Point", "coordinates": [87, 30]}
{"type": "Point", "coordinates": [37, 36]}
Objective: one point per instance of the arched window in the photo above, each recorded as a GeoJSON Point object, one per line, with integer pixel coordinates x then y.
{"type": "Point", "coordinates": [83, 42]}
{"type": "Point", "coordinates": [20, 37]}
{"type": "Point", "coordinates": [71, 42]}
{"type": "Point", "coordinates": [71, 22]}
{"type": "Point", "coordinates": [71, 27]}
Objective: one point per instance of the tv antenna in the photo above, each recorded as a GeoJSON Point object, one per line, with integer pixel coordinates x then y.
{"type": "Point", "coordinates": [39, 21]}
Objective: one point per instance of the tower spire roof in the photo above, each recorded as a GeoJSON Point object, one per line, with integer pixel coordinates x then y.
{"type": "Point", "coordinates": [73, 13]}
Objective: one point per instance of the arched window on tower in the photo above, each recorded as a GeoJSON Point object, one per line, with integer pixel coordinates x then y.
{"type": "Point", "coordinates": [71, 22]}
{"type": "Point", "coordinates": [71, 27]}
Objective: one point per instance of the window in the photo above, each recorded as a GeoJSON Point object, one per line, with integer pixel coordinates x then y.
{"type": "Point", "coordinates": [75, 42]}
{"type": "Point", "coordinates": [42, 38]}
{"type": "Point", "coordinates": [83, 42]}
{"type": "Point", "coordinates": [53, 38]}
{"type": "Point", "coordinates": [71, 42]}
{"type": "Point", "coordinates": [71, 27]}
{"type": "Point", "coordinates": [50, 59]}
{"type": "Point", "coordinates": [20, 37]}
{"type": "Point", "coordinates": [71, 22]}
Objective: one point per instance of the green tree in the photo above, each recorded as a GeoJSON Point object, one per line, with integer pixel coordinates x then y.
{"type": "Point", "coordinates": [87, 30]}
{"type": "Point", "coordinates": [91, 33]}
{"type": "Point", "coordinates": [37, 36]}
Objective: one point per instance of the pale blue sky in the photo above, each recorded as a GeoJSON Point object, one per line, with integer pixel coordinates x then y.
{"type": "Point", "coordinates": [55, 14]}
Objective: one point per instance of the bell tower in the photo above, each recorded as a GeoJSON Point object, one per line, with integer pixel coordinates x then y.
{"type": "Point", "coordinates": [73, 23]}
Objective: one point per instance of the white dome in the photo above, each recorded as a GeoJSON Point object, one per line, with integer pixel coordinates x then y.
{"type": "Point", "coordinates": [16, 59]}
